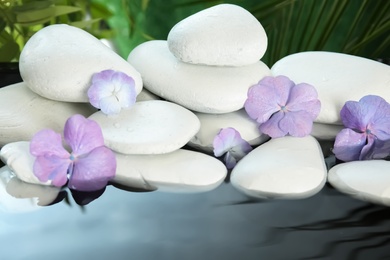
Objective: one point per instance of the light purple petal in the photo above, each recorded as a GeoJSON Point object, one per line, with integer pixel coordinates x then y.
{"type": "Point", "coordinates": [93, 171]}
{"type": "Point", "coordinates": [52, 168]}
{"type": "Point", "coordinates": [230, 160]}
{"type": "Point", "coordinates": [380, 149]}
{"type": "Point", "coordinates": [267, 97]}
{"type": "Point", "coordinates": [229, 139]}
{"type": "Point", "coordinates": [47, 143]}
{"type": "Point", "coordinates": [126, 96]}
{"type": "Point", "coordinates": [271, 127]}
{"type": "Point", "coordinates": [348, 145]}
{"type": "Point", "coordinates": [380, 120]}
{"type": "Point", "coordinates": [98, 91]}
{"type": "Point", "coordinates": [82, 135]}
{"type": "Point", "coordinates": [369, 109]}
{"type": "Point", "coordinates": [298, 124]}
{"type": "Point", "coordinates": [104, 75]}
{"type": "Point", "coordinates": [304, 97]}
{"type": "Point", "coordinates": [110, 105]}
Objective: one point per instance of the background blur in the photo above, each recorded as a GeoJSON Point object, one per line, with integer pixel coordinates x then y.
{"type": "Point", "coordinates": [359, 27]}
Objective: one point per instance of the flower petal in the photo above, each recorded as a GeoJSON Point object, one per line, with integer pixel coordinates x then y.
{"type": "Point", "coordinates": [127, 95]}
{"type": "Point", "coordinates": [304, 97]}
{"type": "Point", "coordinates": [230, 161]}
{"type": "Point", "coordinates": [93, 171]}
{"type": "Point", "coordinates": [98, 91]}
{"type": "Point", "coordinates": [82, 135]}
{"type": "Point", "coordinates": [369, 109]}
{"type": "Point", "coordinates": [229, 139]}
{"type": "Point", "coordinates": [52, 168]}
{"type": "Point", "coordinates": [267, 97]}
{"type": "Point", "coordinates": [298, 124]}
{"type": "Point", "coordinates": [104, 75]}
{"type": "Point", "coordinates": [47, 143]}
{"type": "Point", "coordinates": [349, 144]}
{"type": "Point", "coordinates": [110, 105]}
{"type": "Point", "coordinates": [271, 127]}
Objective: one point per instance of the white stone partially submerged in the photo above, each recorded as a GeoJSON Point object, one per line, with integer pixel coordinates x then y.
{"type": "Point", "coordinates": [287, 168]}
{"type": "Point", "coordinates": [23, 113]}
{"type": "Point", "coordinates": [207, 89]}
{"type": "Point", "coordinates": [149, 127]}
{"type": "Point", "coordinates": [223, 35]}
{"type": "Point", "coordinates": [179, 171]}
{"type": "Point", "coordinates": [337, 77]}
{"type": "Point", "coordinates": [211, 124]}
{"type": "Point", "coordinates": [19, 159]}
{"type": "Point", "coordinates": [59, 60]}
{"type": "Point", "coordinates": [364, 180]}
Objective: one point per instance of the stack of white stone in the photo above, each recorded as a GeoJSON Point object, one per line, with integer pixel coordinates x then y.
{"type": "Point", "coordinates": [57, 65]}
{"type": "Point", "coordinates": [207, 65]}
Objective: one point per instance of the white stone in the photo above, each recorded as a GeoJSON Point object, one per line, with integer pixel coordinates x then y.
{"type": "Point", "coordinates": [59, 60]}
{"type": "Point", "coordinates": [337, 77]}
{"type": "Point", "coordinates": [223, 35]}
{"type": "Point", "coordinates": [149, 127]}
{"type": "Point", "coordinates": [325, 131]}
{"type": "Point", "coordinates": [146, 95]}
{"type": "Point", "coordinates": [287, 167]}
{"type": "Point", "coordinates": [179, 171]}
{"type": "Point", "coordinates": [211, 124]}
{"type": "Point", "coordinates": [17, 196]}
{"type": "Point", "coordinates": [19, 159]}
{"type": "Point", "coordinates": [23, 113]}
{"type": "Point", "coordinates": [207, 89]}
{"type": "Point", "coordinates": [364, 180]}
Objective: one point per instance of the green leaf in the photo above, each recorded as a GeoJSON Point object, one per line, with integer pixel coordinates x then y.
{"type": "Point", "coordinates": [61, 10]}
{"type": "Point", "coordinates": [9, 51]}
{"type": "Point", "coordinates": [31, 16]}
{"type": "Point", "coordinates": [85, 24]}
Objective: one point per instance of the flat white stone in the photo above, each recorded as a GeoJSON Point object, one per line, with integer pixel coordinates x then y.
{"type": "Point", "coordinates": [325, 131]}
{"type": "Point", "coordinates": [149, 127]}
{"type": "Point", "coordinates": [287, 167]}
{"type": "Point", "coordinates": [179, 171]}
{"type": "Point", "coordinates": [337, 77]}
{"type": "Point", "coordinates": [19, 159]}
{"type": "Point", "coordinates": [364, 180]}
{"type": "Point", "coordinates": [23, 113]}
{"type": "Point", "coordinates": [59, 60]}
{"type": "Point", "coordinates": [207, 89]}
{"type": "Point", "coordinates": [223, 35]}
{"type": "Point", "coordinates": [211, 124]}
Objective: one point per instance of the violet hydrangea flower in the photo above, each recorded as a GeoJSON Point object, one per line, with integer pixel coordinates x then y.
{"type": "Point", "coordinates": [229, 141]}
{"type": "Point", "coordinates": [88, 167]}
{"type": "Point", "coordinates": [281, 107]}
{"type": "Point", "coordinates": [367, 132]}
{"type": "Point", "coordinates": [111, 91]}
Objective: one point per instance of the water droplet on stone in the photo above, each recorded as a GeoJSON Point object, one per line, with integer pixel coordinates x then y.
{"type": "Point", "coordinates": [117, 125]}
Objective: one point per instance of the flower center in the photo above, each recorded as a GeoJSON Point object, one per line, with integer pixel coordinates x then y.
{"type": "Point", "coordinates": [72, 158]}
{"type": "Point", "coordinates": [368, 131]}
{"type": "Point", "coordinates": [283, 108]}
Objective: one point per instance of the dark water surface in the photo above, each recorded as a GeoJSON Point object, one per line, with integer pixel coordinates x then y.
{"type": "Point", "coordinates": [220, 224]}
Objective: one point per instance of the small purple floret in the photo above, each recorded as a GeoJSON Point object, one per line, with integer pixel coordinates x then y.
{"type": "Point", "coordinates": [111, 91]}
{"type": "Point", "coordinates": [281, 107]}
{"type": "Point", "coordinates": [367, 132]}
{"type": "Point", "coordinates": [229, 142]}
{"type": "Point", "coordinates": [90, 165]}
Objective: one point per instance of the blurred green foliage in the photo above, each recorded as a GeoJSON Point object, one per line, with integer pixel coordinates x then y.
{"type": "Point", "coordinates": [20, 19]}
{"type": "Point", "coordinates": [358, 27]}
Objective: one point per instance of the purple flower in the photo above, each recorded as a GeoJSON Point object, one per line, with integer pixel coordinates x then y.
{"type": "Point", "coordinates": [111, 91]}
{"type": "Point", "coordinates": [367, 132]}
{"type": "Point", "coordinates": [89, 166]}
{"type": "Point", "coordinates": [229, 141]}
{"type": "Point", "coordinates": [281, 107]}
